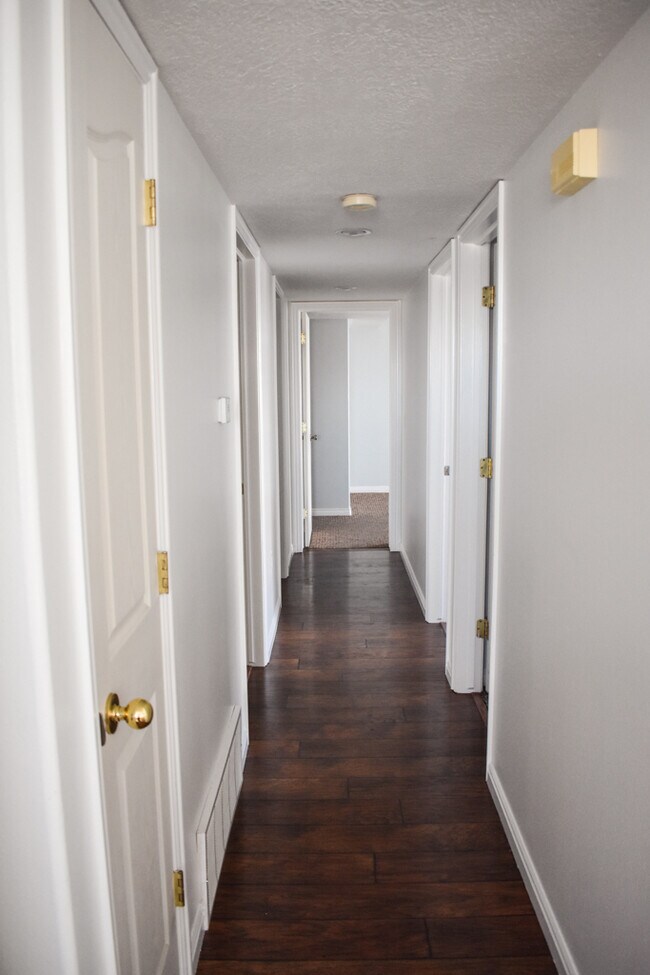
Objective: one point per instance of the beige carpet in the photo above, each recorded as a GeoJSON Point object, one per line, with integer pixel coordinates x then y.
{"type": "Point", "coordinates": [367, 527]}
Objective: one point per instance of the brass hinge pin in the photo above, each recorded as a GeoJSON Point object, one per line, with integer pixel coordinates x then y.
{"type": "Point", "coordinates": [150, 214]}
{"type": "Point", "coordinates": [163, 573]}
{"type": "Point", "coordinates": [179, 888]}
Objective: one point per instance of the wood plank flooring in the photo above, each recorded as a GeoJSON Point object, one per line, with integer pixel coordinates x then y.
{"type": "Point", "coordinates": [366, 841]}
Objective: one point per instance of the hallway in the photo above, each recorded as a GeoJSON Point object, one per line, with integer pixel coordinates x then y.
{"type": "Point", "coordinates": [365, 838]}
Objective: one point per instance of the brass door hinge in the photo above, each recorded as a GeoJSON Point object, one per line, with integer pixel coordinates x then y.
{"type": "Point", "coordinates": [304, 513]}
{"type": "Point", "coordinates": [303, 338]}
{"type": "Point", "coordinates": [488, 296]}
{"type": "Point", "coordinates": [303, 427]}
{"type": "Point", "coordinates": [179, 888]}
{"type": "Point", "coordinates": [150, 215]}
{"type": "Point", "coordinates": [483, 629]}
{"type": "Point", "coordinates": [163, 573]}
{"type": "Point", "coordinates": [485, 467]}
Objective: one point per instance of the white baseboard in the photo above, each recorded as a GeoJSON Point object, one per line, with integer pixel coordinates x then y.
{"type": "Point", "coordinates": [287, 567]}
{"type": "Point", "coordinates": [546, 916]}
{"type": "Point", "coordinates": [414, 581]}
{"type": "Point", "coordinates": [331, 512]}
{"type": "Point", "coordinates": [382, 489]}
{"type": "Point", "coordinates": [197, 934]}
{"type": "Point", "coordinates": [273, 629]}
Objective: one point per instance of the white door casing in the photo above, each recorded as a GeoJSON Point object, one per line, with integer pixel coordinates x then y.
{"type": "Point", "coordinates": [439, 431]}
{"type": "Point", "coordinates": [469, 494]}
{"type": "Point", "coordinates": [112, 333]}
{"type": "Point", "coordinates": [305, 429]}
{"type": "Point", "coordinates": [248, 253]}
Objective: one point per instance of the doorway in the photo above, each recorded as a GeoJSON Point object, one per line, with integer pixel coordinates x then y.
{"type": "Point", "coordinates": [350, 432]}
{"type": "Point", "coordinates": [334, 480]}
{"type": "Point", "coordinates": [472, 557]}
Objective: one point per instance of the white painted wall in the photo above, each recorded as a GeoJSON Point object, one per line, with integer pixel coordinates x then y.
{"type": "Point", "coordinates": [571, 732]}
{"type": "Point", "coordinates": [369, 403]}
{"type": "Point", "coordinates": [415, 324]}
{"type": "Point", "coordinates": [330, 415]}
{"type": "Point", "coordinates": [200, 353]}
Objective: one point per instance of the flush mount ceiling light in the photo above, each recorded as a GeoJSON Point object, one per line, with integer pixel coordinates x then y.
{"type": "Point", "coordinates": [359, 201]}
{"type": "Point", "coordinates": [355, 232]}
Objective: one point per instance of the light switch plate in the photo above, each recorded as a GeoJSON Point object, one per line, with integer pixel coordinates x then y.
{"type": "Point", "coordinates": [223, 409]}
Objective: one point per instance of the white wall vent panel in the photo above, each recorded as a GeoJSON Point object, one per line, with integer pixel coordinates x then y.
{"type": "Point", "coordinates": [219, 809]}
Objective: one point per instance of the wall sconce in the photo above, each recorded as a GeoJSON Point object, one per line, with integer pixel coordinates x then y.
{"type": "Point", "coordinates": [575, 163]}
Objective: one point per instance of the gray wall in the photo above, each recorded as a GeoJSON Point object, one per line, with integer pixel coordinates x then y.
{"type": "Point", "coordinates": [369, 404]}
{"type": "Point", "coordinates": [415, 324]}
{"type": "Point", "coordinates": [328, 341]}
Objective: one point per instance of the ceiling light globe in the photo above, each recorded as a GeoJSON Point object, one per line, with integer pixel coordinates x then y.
{"type": "Point", "coordinates": [359, 201]}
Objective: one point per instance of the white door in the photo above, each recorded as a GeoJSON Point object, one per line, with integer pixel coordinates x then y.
{"type": "Point", "coordinates": [306, 428]}
{"type": "Point", "coordinates": [115, 410]}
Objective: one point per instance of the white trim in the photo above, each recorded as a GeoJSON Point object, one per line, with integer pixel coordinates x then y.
{"type": "Point", "coordinates": [284, 428]}
{"type": "Point", "coordinates": [396, 445]}
{"type": "Point", "coordinates": [295, 435]}
{"type": "Point", "coordinates": [272, 630]}
{"type": "Point", "coordinates": [117, 20]}
{"type": "Point", "coordinates": [540, 900]}
{"type": "Point", "coordinates": [331, 512]}
{"type": "Point", "coordinates": [197, 934]}
{"type": "Point", "coordinates": [414, 579]}
{"type": "Point", "coordinates": [468, 510]}
{"type": "Point", "coordinates": [161, 488]}
{"type": "Point", "coordinates": [251, 367]}
{"type": "Point", "coordinates": [349, 309]}
{"type": "Point", "coordinates": [497, 495]}
{"type": "Point", "coordinates": [439, 366]}
{"type": "Point", "coordinates": [381, 489]}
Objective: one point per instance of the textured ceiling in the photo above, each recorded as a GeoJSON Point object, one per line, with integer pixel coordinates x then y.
{"type": "Point", "coordinates": [422, 102]}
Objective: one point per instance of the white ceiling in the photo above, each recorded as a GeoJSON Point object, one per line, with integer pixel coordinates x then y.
{"type": "Point", "coordinates": [425, 103]}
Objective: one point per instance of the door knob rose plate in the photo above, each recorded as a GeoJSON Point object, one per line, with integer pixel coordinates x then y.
{"type": "Point", "coordinates": [138, 713]}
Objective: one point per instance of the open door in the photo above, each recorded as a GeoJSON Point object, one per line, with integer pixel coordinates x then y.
{"type": "Point", "coordinates": [489, 514]}
{"type": "Point", "coordinates": [305, 427]}
{"type": "Point", "coordinates": [114, 401]}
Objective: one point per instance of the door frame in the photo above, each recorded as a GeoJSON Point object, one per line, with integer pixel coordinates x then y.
{"type": "Point", "coordinates": [251, 435]}
{"type": "Point", "coordinates": [305, 430]}
{"type": "Point", "coordinates": [443, 272]}
{"type": "Point", "coordinates": [284, 428]}
{"type": "Point", "coordinates": [347, 309]}
{"type": "Point", "coordinates": [464, 664]}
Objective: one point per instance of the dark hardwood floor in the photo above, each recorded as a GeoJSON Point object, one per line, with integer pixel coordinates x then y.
{"type": "Point", "coordinates": [366, 841]}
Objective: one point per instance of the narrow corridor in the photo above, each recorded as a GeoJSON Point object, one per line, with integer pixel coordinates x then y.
{"type": "Point", "coordinates": [366, 840]}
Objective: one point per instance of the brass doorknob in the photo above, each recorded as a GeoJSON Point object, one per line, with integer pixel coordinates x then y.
{"type": "Point", "coordinates": [138, 713]}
